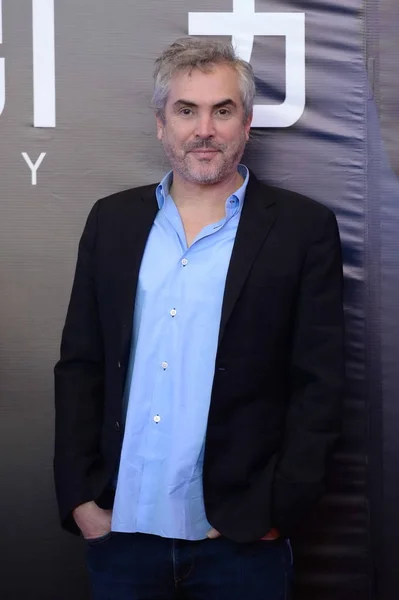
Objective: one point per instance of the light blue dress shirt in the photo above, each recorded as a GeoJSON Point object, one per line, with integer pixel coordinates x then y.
{"type": "Point", "coordinates": [171, 369]}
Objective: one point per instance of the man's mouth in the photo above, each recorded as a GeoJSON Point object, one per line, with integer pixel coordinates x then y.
{"type": "Point", "coordinates": [204, 151]}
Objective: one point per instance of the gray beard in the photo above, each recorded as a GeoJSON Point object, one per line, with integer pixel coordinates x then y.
{"type": "Point", "coordinates": [210, 178]}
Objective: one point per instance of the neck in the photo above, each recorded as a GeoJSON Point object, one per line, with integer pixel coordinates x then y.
{"type": "Point", "coordinates": [190, 195]}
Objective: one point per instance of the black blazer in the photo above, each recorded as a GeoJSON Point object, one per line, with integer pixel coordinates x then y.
{"type": "Point", "coordinates": [275, 409]}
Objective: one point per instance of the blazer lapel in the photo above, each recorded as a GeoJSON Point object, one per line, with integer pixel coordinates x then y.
{"type": "Point", "coordinates": [257, 218]}
{"type": "Point", "coordinates": [136, 232]}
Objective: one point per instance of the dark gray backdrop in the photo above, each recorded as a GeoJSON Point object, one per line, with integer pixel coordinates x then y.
{"type": "Point", "coordinates": [104, 141]}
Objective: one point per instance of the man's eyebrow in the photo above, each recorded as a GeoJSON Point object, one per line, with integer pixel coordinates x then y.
{"type": "Point", "coordinates": [227, 102]}
{"type": "Point", "coordinates": [222, 103]}
{"type": "Point", "coordinates": [183, 102]}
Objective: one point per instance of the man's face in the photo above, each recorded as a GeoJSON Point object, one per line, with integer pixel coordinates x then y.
{"type": "Point", "coordinates": [204, 133]}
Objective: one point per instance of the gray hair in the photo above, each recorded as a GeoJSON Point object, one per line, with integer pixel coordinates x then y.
{"type": "Point", "coordinates": [186, 54]}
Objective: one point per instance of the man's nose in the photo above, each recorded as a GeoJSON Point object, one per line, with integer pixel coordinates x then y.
{"type": "Point", "coordinates": [205, 127]}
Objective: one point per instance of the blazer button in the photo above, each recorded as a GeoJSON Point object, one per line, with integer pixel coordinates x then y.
{"type": "Point", "coordinates": [117, 426]}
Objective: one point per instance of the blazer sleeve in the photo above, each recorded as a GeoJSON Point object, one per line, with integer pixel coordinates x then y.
{"type": "Point", "coordinates": [79, 384]}
{"type": "Point", "coordinates": [313, 417]}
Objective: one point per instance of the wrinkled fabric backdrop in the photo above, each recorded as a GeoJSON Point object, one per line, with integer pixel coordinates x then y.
{"type": "Point", "coordinates": [327, 125]}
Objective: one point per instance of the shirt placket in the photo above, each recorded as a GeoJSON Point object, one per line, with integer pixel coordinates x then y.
{"type": "Point", "coordinates": [155, 448]}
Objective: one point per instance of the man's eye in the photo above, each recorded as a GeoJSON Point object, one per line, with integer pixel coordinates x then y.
{"type": "Point", "coordinates": [185, 111]}
{"type": "Point", "coordinates": [224, 112]}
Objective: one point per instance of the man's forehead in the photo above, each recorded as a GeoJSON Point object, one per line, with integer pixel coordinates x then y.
{"type": "Point", "coordinates": [213, 86]}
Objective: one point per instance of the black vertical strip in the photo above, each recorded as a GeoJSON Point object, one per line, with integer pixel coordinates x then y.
{"type": "Point", "coordinates": [383, 305]}
{"type": "Point", "coordinates": [372, 248]}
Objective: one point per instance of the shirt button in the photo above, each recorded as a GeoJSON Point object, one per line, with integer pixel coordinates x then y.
{"type": "Point", "coordinates": [173, 312]}
{"type": "Point", "coordinates": [117, 426]}
{"type": "Point", "coordinates": [119, 364]}
{"type": "Point", "coordinates": [184, 262]}
{"type": "Point", "coordinates": [157, 418]}
{"type": "Point", "coordinates": [165, 365]}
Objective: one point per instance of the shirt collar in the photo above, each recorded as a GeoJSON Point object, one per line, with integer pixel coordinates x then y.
{"type": "Point", "coordinates": [233, 202]}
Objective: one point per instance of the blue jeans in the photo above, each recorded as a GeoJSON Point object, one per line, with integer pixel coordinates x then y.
{"type": "Point", "coordinates": [135, 566]}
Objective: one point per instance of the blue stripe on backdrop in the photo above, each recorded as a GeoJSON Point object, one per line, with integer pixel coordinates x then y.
{"type": "Point", "coordinates": [383, 42]}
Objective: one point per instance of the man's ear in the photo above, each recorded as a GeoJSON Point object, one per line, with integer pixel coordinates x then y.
{"type": "Point", "coordinates": [159, 128]}
{"type": "Point", "coordinates": [248, 125]}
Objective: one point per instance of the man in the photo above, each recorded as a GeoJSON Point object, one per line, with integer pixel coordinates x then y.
{"type": "Point", "coordinates": [198, 390]}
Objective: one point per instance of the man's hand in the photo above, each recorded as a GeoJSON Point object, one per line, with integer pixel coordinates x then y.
{"type": "Point", "coordinates": [93, 521]}
{"type": "Point", "coordinates": [213, 534]}
{"type": "Point", "coordinates": [273, 534]}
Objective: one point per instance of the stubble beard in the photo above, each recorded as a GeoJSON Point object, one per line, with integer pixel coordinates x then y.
{"type": "Point", "coordinates": [205, 173]}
